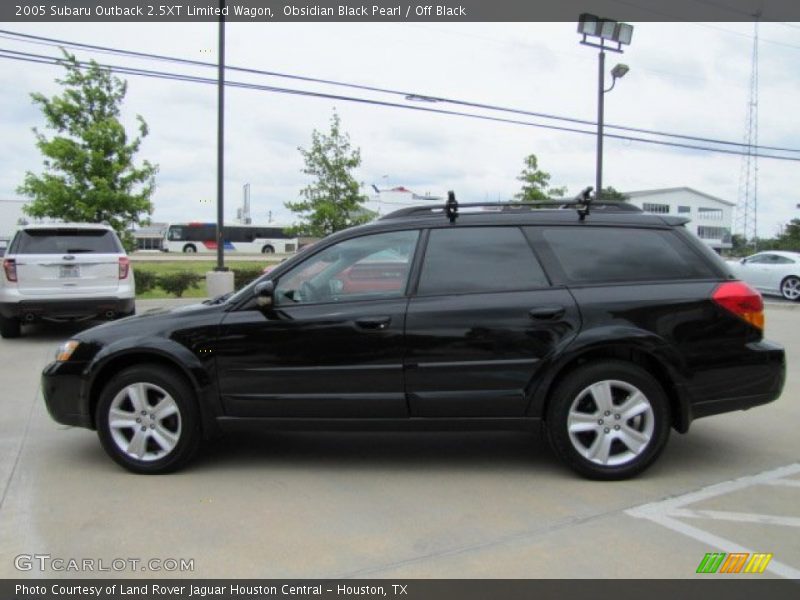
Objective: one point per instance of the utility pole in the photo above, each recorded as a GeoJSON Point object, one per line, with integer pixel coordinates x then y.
{"type": "Point", "coordinates": [221, 143]}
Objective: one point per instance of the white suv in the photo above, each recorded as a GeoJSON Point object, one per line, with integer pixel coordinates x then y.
{"type": "Point", "coordinates": [64, 271]}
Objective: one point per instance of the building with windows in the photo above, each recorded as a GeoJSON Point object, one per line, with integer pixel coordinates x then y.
{"type": "Point", "coordinates": [711, 217]}
{"type": "Point", "coordinates": [150, 237]}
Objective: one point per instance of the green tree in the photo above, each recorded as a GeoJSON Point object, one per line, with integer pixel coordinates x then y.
{"type": "Point", "coordinates": [333, 201]}
{"type": "Point", "coordinates": [609, 194]}
{"type": "Point", "coordinates": [536, 183]}
{"type": "Point", "coordinates": [89, 171]}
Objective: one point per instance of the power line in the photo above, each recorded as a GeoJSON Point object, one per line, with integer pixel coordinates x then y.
{"type": "Point", "coordinates": [51, 60]}
{"type": "Point", "coordinates": [405, 94]}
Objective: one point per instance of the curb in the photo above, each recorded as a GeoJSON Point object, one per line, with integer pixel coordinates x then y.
{"type": "Point", "coordinates": [782, 305]}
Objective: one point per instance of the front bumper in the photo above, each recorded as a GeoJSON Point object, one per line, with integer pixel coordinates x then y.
{"type": "Point", "coordinates": [62, 387]}
{"type": "Point", "coordinates": [67, 309]}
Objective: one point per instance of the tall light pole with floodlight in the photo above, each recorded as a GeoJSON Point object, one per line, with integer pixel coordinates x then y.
{"type": "Point", "coordinates": [604, 34]}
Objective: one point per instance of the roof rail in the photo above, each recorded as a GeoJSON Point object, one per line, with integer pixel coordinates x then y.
{"type": "Point", "coordinates": [509, 207]}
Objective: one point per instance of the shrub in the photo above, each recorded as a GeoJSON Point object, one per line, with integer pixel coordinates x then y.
{"type": "Point", "coordinates": [178, 282]}
{"type": "Point", "coordinates": [145, 281]}
{"type": "Point", "coordinates": [241, 277]}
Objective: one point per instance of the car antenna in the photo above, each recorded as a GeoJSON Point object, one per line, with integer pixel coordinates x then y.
{"type": "Point", "coordinates": [584, 200]}
{"type": "Point", "coordinates": [451, 207]}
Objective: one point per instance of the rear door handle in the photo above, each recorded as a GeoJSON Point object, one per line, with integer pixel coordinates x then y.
{"type": "Point", "coordinates": [545, 313]}
{"type": "Point", "coordinates": [373, 322]}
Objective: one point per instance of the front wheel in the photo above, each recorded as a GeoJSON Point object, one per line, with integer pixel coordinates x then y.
{"type": "Point", "coordinates": [790, 288]}
{"type": "Point", "coordinates": [608, 420]}
{"type": "Point", "coordinates": [148, 421]}
{"type": "Point", "coordinates": [267, 250]}
{"type": "Point", "coordinates": [189, 249]}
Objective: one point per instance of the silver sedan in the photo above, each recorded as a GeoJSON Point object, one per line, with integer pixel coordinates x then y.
{"type": "Point", "coordinates": [774, 272]}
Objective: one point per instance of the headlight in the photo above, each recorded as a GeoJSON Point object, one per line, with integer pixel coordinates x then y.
{"type": "Point", "coordinates": [66, 349]}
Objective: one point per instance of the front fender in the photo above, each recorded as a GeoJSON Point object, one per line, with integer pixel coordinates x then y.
{"type": "Point", "coordinates": [129, 351]}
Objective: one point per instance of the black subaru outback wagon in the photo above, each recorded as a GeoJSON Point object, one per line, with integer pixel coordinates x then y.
{"type": "Point", "coordinates": [607, 329]}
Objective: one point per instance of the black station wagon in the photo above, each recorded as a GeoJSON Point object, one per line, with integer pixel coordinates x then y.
{"type": "Point", "coordinates": [606, 328]}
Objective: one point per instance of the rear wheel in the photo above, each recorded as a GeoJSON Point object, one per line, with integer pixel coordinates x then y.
{"type": "Point", "coordinates": [790, 288]}
{"type": "Point", "coordinates": [267, 250]}
{"type": "Point", "coordinates": [10, 327]}
{"type": "Point", "coordinates": [608, 420]}
{"type": "Point", "coordinates": [148, 421]}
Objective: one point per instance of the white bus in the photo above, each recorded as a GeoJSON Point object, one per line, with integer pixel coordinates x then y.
{"type": "Point", "coordinates": [202, 237]}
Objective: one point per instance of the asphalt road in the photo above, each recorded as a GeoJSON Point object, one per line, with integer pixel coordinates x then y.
{"type": "Point", "coordinates": [398, 505]}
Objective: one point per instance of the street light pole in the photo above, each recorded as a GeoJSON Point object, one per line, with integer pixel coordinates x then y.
{"type": "Point", "coordinates": [605, 32]}
{"type": "Point", "coordinates": [601, 94]}
{"type": "Point", "coordinates": [221, 143]}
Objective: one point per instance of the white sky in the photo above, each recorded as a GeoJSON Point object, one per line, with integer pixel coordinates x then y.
{"type": "Point", "coordinates": [688, 78]}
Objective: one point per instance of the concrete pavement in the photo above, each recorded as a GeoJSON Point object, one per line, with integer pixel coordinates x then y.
{"type": "Point", "coordinates": [394, 505]}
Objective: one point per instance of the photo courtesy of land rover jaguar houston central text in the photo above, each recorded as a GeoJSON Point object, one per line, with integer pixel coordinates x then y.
{"type": "Point", "coordinates": [604, 326]}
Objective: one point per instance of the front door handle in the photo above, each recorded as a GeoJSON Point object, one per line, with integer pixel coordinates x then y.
{"type": "Point", "coordinates": [546, 313]}
{"type": "Point", "coordinates": [373, 323]}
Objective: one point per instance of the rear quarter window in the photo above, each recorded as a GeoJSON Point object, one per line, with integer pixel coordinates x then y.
{"type": "Point", "coordinates": [620, 254]}
{"type": "Point", "coordinates": [66, 241]}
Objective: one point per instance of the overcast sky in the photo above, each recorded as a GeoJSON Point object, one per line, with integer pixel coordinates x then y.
{"type": "Point", "coordinates": [688, 78]}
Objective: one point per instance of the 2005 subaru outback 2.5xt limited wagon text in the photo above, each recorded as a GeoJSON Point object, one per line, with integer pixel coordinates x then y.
{"type": "Point", "coordinates": [609, 329]}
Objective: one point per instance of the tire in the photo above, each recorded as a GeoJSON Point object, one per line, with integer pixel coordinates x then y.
{"type": "Point", "coordinates": [167, 442]}
{"type": "Point", "coordinates": [189, 249]}
{"type": "Point", "coordinates": [790, 288]}
{"type": "Point", "coordinates": [268, 250]}
{"type": "Point", "coordinates": [10, 327]}
{"type": "Point", "coordinates": [602, 443]}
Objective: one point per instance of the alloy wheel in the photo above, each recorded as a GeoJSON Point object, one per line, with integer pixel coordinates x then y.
{"type": "Point", "coordinates": [790, 288]}
{"type": "Point", "coordinates": [144, 421]}
{"type": "Point", "coordinates": [610, 423]}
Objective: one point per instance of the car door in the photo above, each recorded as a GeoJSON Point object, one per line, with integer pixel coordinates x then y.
{"type": "Point", "coordinates": [755, 270]}
{"type": "Point", "coordinates": [326, 348]}
{"type": "Point", "coordinates": [481, 321]}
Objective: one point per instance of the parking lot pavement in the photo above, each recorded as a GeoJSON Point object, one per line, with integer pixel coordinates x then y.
{"type": "Point", "coordinates": [399, 505]}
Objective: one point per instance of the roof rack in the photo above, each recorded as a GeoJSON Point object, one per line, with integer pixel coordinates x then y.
{"type": "Point", "coordinates": [452, 209]}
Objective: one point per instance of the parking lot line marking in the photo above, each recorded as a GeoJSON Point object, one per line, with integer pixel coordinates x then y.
{"type": "Point", "coordinates": [786, 482]}
{"type": "Point", "coordinates": [726, 515]}
{"type": "Point", "coordinates": [664, 513]}
{"type": "Point", "coordinates": [712, 491]}
{"type": "Point", "coordinates": [709, 539]}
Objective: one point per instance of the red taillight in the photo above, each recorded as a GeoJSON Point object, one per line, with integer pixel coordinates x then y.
{"type": "Point", "coordinates": [124, 266]}
{"type": "Point", "coordinates": [10, 267]}
{"type": "Point", "coordinates": [742, 300]}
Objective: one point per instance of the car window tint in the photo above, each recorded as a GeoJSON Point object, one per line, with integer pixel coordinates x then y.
{"type": "Point", "coordinates": [616, 254]}
{"type": "Point", "coordinates": [364, 268]}
{"type": "Point", "coordinates": [67, 241]}
{"type": "Point", "coordinates": [479, 259]}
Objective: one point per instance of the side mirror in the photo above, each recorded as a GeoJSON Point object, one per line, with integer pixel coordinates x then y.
{"type": "Point", "coordinates": [743, 261]}
{"type": "Point", "coordinates": [264, 293]}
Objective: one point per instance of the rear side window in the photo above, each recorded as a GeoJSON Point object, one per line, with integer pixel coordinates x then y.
{"type": "Point", "coordinates": [614, 254]}
{"type": "Point", "coordinates": [479, 259]}
{"type": "Point", "coordinates": [66, 241]}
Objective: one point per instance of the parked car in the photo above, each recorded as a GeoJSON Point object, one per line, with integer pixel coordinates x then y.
{"type": "Point", "coordinates": [59, 272]}
{"type": "Point", "coordinates": [775, 272]}
{"type": "Point", "coordinates": [607, 330]}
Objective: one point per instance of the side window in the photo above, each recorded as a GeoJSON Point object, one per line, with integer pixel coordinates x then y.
{"type": "Point", "coordinates": [479, 259]}
{"type": "Point", "coordinates": [614, 254]}
{"type": "Point", "coordinates": [364, 268]}
{"type": "Point", "coordinates": [760, 259]}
